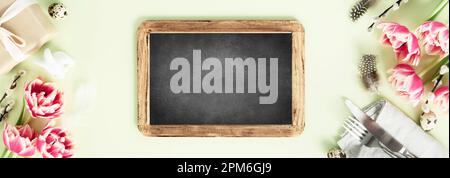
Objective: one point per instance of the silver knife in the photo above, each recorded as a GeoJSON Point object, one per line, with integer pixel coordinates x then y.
{"type": "Point", "coordinates": [379, 133]}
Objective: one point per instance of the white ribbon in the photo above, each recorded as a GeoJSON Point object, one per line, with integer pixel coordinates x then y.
{"type": "Point", "coordinates": [10, 41]}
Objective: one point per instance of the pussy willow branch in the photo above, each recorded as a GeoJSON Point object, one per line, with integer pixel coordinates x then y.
{"type": "Point", "coordinates": [13, 85]}
{"type": "Point", "coordinates": [5, 110]}
{"type": "Point", "coordinates": [438, 80]}
{"type": "Point", "coordinates": [385, 12]}
{"type": "Point", "coordinates": [436, 85]}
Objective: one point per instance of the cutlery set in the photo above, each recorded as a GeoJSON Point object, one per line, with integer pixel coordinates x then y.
{"type": "Point", "coordinates": [363, 128]}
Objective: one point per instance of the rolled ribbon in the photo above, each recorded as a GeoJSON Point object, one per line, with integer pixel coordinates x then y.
{"type": "Point", "coordinates": [12, 42]}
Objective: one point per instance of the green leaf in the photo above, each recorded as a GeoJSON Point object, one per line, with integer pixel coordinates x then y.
{"type": "Point", "coordinates": [438, 10]}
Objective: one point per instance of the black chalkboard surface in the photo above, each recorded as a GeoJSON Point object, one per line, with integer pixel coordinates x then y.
{"type": "Point", "coordinates": [205, 78]}
{"type": "Point", "coordinates": [168, 108]}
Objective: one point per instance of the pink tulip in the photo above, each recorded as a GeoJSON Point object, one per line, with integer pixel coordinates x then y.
{"type": "Point", "coordinates": [435, 38]}
{"type": "Point", "coordinates": [53, 143]}
{"type": "Point", "coordinates": [440, 100]}
{"type": "Point", "coordinates": [405, 80]}
{"type": "Point", "coordinates": [43, 100]}
{"type": "Point", "coordinates": [405, 43]}
{"type": "Point", "coordinates": [20, 140]}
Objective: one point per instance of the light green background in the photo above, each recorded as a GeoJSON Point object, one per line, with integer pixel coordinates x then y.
{"type": "Point", "coordinates": [101, 36]}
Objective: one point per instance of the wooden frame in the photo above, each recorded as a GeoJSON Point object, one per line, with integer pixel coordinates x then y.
{"type": "Point", "coordinates": [251, 26]}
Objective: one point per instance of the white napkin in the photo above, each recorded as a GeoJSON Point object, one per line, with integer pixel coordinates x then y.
{"type": "Point", "coordinates": [401, 127]}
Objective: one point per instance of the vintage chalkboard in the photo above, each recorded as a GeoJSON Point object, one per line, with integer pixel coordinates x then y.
{"type": "Point", "coordinates": [220, 78]}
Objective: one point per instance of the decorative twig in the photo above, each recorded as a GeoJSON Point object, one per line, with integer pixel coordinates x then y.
{"type": "Point", "coordinates": [13, 85]}
{"type": "Point", "coordinates": [443, 70]}
{"type": "Point", "coordinates": [393, 7]}
{"type": "Point", "coordinates": [5, 110]}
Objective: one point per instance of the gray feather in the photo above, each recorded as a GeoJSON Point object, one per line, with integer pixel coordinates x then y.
{"type": "Point", "coordinates": [368, 70]}
{"type": "Point", "coordinates": [360, 8]}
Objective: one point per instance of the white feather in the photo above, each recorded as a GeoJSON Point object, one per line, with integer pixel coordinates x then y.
{"type": "Point", "coordinates": [56, 64]}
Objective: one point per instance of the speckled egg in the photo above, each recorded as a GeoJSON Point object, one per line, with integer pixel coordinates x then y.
{"type": "Point", "coordinates": [428, 121]}
{"type": "Point", "coordinates": [57, 11]}
{"type": "Point", "coordinates": [336, 153]}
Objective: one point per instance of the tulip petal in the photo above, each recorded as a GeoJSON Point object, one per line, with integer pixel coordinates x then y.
{"type": "Point", "coordinates": [435, 38]}
{"type": "Point", "coordinates": [43, 100]}
{"type": "Point", "coordinates": [407, 83]}
{"type": "Point", "coordinates": [404, 43]}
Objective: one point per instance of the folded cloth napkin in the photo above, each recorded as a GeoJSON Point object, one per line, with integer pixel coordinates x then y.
{"type": "Point", "coordinates": [401, 127]}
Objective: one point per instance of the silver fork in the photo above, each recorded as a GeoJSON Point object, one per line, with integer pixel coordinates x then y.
{"type": "Point", "coordinates": [355, 128]}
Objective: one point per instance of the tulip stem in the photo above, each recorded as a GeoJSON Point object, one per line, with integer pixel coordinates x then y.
{"type": "Point", "coordinates": [24, 118]}
{"type": "Point", "coordinates": [7, 153]}
{"type": "Point", "coordinates": [11, 154]}
{"type": "Point", "coordinates": [22, 113]}
{"type": "Point", "coordinates": [438, 63]}
{"type": "Point", "coordinates": [4, 152]}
